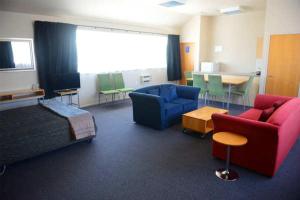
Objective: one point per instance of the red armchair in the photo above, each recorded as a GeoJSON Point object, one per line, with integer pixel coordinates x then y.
{"type": "Point", "coordinates": [268, 142]}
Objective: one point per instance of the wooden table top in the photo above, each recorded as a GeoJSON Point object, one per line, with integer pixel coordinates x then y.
{"type": "Point", "coordinates": [229, 79]}
{"type": "Point", "coordinates": [205, 113]}
{"type": "Point", "coordinates": [66, 92]}
{"type": "Point", "coordinates": [230, 139]}
{"type": "Point", "coordinates": [20, 91]}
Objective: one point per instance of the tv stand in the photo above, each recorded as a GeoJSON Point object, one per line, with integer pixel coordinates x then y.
{"type": "Point", "coordinates": [69, 93]}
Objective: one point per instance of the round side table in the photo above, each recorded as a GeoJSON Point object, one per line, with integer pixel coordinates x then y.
{"type": "Point", "coordinates": [229, 139]}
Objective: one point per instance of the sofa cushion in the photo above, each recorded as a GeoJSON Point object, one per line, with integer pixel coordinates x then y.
{"type": "Point", "coordinates": [153, 91]}
{"type": "Point", "coordinates": [168, 92]}
{"type": "Point", "coordinates": [172, 110]}
{"type": "Point", "coordinates": [282, 113]}
{"type": "Point", "coordinates": [252, 113]}
{"type": "Point", "coordinates": [278, 103]}
{"type": "Point", "coordinates": [266, 113]}
{"type": "Point", "coordinates": [188, 104]}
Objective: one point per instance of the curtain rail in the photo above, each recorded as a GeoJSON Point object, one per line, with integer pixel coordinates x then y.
{"type": "Point", "coordinates": [120, 29]}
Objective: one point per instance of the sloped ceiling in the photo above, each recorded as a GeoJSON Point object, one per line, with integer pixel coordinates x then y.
{"type": "Point", "coordinates": [146, 12]}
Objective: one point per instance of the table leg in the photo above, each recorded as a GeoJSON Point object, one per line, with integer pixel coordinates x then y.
{"type": "Point", "coordinates": [229, 95]}
{"type": "Point", "coordinates": [78, 101]}
{"type": "Point", "coordinates": [228, 160]}
{"type": "Point", "coordinates": [227, 174]}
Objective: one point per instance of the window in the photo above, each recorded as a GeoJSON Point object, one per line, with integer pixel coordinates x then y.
{"type": "Point", "coordinates": [21, 52]}
{"type": "Point", "coordinates": [107, 51]}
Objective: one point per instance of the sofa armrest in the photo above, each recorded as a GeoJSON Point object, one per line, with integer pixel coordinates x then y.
{"type": "Point", "coordinates": [147, 99]}
{"type": "Point", "coordinates": [187, 92]}
{"type": "Point", "coordinates": [266, 101]}
{"type": "Point", "coordinates": [147, 109]}
{"type": "Point", "coordinates": [249, 128]}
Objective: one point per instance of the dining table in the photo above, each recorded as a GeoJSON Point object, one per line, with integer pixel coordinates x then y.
{"type": "Point", "coordinates": [230, 81]}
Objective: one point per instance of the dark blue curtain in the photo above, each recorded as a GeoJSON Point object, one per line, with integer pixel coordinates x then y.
{"type": "Point", "coordinates": [56, 52]}
{"type": "Point", "coordinates": [6, 55]}
{"type": "Point", "coordinates": [173, 58]}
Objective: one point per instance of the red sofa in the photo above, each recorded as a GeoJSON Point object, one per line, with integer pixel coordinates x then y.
{"type": "Point", "coordinates": [268, 142]}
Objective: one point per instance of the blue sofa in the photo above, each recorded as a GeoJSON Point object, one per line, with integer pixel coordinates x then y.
{"type": "Point", "coordinates": [161, 106]}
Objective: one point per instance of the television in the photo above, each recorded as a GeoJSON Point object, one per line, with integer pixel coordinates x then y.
{"type": "Point", "coordinates": [66, 81]}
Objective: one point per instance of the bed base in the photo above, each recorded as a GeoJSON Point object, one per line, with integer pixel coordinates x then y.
{"type": "Point", "coordinates": [2, 169]}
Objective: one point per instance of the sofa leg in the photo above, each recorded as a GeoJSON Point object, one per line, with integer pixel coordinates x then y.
{"type": "Point", "coordinates": [90, 140]}
{"type": "Point", "coordinates": [2, 169]}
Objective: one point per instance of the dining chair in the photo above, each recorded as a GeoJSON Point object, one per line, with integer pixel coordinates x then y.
{"type": "Point", "coordinates": [106, 86]}
{"type": "Point", "coordinates": [215, 88]}
{"type": "Point", "coordinates": [199, 82]}
{"type": "Point", "coordinates": [244, 90]}
{"type": "Point", "coordinates": [188, 76]}
{"type": "Point", "coordinates": [119, 84]}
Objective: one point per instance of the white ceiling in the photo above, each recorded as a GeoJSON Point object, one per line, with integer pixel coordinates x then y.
{"type": "Point", "coordinates": [146, 12]}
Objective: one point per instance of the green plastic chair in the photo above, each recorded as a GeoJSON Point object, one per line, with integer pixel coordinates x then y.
{"type": "Point", "coordinates": [187, 75]}
{"type": "Point", "coordinates": [244, 90]}
{"type": "Point", "coordinates": [215, 87]}
{"type": "Point", "coordinates": [199, 82]}
{"type": "Point", "coordinates": [106, 86]}
{"type": "Point", "coordinates": [119, 84]}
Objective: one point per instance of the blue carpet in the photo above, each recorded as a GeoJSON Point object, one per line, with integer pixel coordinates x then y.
{"type": "Point", "coordinates": [129, 161]}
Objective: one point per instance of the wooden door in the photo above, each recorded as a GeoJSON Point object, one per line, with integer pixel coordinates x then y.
{"type": "Point", "coordinates": [187, 59]}
{"type": "Point", "coordinates": [283, 76]}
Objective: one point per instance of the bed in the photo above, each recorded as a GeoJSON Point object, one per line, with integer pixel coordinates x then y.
{"type": "Point", "coordinates": [30, 131]}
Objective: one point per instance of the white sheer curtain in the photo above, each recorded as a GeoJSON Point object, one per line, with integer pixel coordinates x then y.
{"type": "Point", "coordinates": [107, 51]}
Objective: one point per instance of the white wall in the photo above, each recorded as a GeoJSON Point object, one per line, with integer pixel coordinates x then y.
{"type": "Point", "coordinates": [89, 96]}
{"type": "Point", "coordinates": [205, 38]}
{"type": "Point", "coordinates": [282, 17]}
{"type": "Point", "coordinates": [190, 33]}
{"type": "Point", "coordinates": [19, 25]}
{"type": "Point", "coordinates": [237, 34]}
{"type": "Point", "coordinates": [16, 26]}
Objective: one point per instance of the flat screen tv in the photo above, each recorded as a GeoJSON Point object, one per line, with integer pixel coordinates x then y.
{"type": "Point", "coordinates": [66, 81]}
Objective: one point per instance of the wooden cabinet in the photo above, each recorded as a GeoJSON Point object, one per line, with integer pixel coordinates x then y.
{"type": "Point", "coordinates": [283, 76]}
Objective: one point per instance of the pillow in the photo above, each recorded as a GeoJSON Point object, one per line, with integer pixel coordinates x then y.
{"type": "Point", "coordinates": [153, 91]}
{"type": "Point", "coordinates": [282, 113]}
{"type": "Point", "coordinates": [266, 113]}
{"type": "Point", "coordinates": [278, 103]}
{"type": "Point", "coordinates": [168, 93]}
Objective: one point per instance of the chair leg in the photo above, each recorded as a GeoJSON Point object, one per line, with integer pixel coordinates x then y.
{"type": "Point", "coordinates": [223, 102]}
{"type": "Point", "coordinates": [205, 96]}
{"type": "Point", "coordinates": [243, 96]}
{"type": "Point", "coordinates": [248, 98]}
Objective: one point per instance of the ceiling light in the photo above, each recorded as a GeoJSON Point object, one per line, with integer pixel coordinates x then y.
{"type": "Point", "coordinates": [172, 3]}
{"type": "Point", "coordinates": [231, 10]}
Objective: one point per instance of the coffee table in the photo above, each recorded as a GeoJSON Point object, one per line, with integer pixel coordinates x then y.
{"type": "Point", "coordinates": [200, 120]}
{"type": "Point", "coordinates": [229, 139]}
